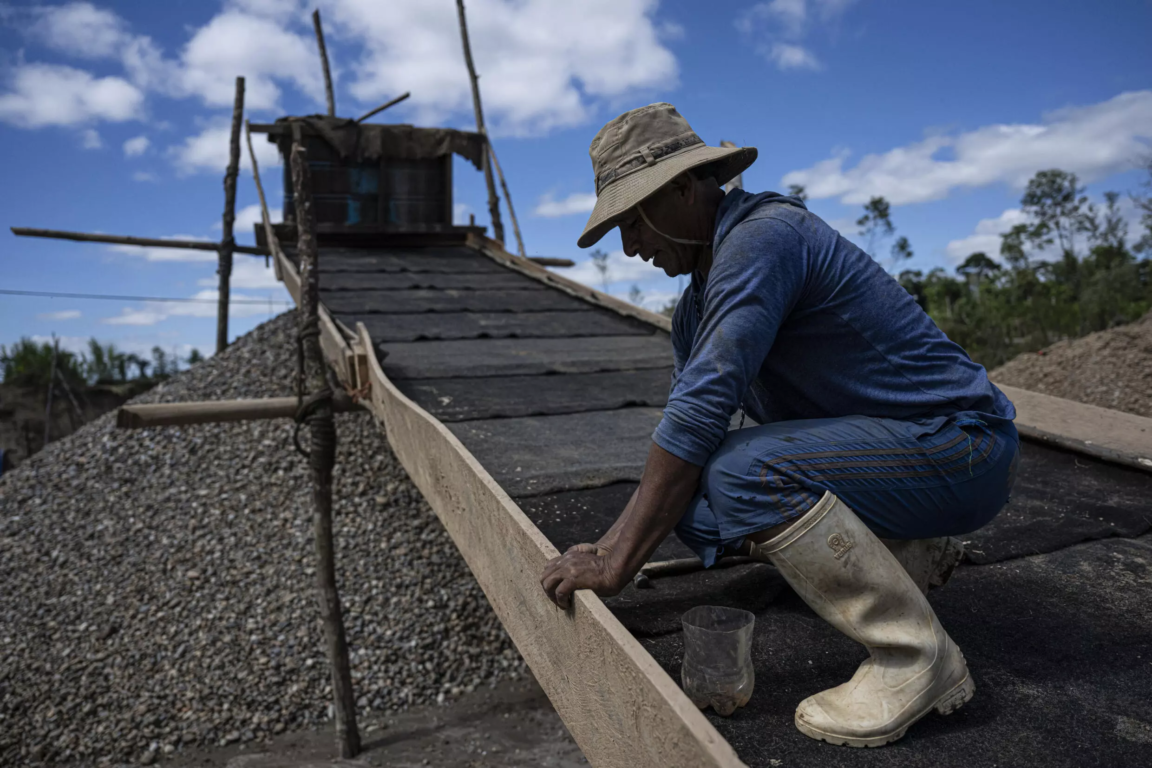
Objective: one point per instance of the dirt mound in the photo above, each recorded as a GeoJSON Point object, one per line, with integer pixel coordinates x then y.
{"type": "Point", "coordinates": [157, 586]}
{"type": "Point", "coordinates": [1111, 369]}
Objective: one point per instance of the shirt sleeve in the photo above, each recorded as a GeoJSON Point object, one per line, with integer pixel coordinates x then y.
{"type": "Point", "coordinates": [681, 335]}
{"type": "Point", "coordinates": [757, 277]}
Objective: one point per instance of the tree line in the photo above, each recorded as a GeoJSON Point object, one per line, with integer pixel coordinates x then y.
{"type": "Point", "coordinates": [1070, 268]}
{"type": "Point", "coordinates": [28, 363]}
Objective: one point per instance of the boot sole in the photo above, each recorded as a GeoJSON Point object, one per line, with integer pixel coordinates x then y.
{"type": "Point", "coordinates": [951, 701]}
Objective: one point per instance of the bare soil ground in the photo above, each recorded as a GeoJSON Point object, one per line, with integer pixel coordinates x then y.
{"type": "Point", "coordinates": [1111, 369]}
{"type": "Point", "coordinates": [511, 725]}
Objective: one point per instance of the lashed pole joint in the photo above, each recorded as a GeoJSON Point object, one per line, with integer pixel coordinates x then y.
{"type": "Point", "coordinates": [316, 411]}
{"type": "Point", "coordinates": [228, 242]}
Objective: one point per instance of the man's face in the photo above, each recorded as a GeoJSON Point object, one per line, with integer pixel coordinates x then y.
{"type": "Point", "coordinates": [668, 211]}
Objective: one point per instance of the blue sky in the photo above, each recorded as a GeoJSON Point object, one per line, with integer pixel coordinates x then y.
{"type": "Point", "coordinates": [113, 118]}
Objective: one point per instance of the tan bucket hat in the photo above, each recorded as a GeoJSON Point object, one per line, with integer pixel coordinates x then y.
{"type": "Point", "coordinates": [642, 150]}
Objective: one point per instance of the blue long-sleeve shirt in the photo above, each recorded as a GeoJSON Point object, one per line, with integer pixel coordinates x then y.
{"type": "Point", "coordinates": [796, 322]}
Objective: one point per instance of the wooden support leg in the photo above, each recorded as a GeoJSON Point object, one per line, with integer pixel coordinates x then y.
{"type": "Point", "coordinates": [322, 458]}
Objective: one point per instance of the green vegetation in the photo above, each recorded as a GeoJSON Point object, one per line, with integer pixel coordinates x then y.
{"type": "Point", "coordinates": [1068, 271]}
{"type": "Point", "coordinates": [28, 363]}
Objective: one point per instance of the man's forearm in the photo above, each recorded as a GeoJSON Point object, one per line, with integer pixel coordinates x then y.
{"type": "Point", "coordinates": [666, 487]}
{"type": "Point", "coordinates": [608, 540]}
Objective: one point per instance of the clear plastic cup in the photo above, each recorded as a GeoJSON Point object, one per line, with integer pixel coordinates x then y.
{"type": "Point", "coordinates": [717, 669]}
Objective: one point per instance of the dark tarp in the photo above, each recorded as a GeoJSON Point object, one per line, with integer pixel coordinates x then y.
{"type": "Point", "coordinates": [359, 142]}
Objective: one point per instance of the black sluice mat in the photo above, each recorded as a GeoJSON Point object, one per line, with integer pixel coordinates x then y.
{"type": "Point", "coordinates": [518, 357]}
{"type": "Point", "coordinates": [459, 261]}
{"type": "Point", "coordinates": [545, 454]}
{"type": "Point", "coordinates": [1059, 645]}
{"type": "Point", "coordinates": [497, 325]}
{"type": "Point", "coordinates": [403, 281]}
{"type": "Point", "coordinates": [425, 300]}
{"type": "Point", "coordinates": [574, 517]}
{"type": "Point", "coordinates": [1062, 498]}
{"type": "Point", "coordinates": [502, 396]}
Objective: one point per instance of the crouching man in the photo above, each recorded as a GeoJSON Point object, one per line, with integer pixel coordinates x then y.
{"type": "Point", "coordinates": [878, 436]}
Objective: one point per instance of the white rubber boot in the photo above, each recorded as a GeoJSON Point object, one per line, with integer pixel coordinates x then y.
{"type": "Point", "coordinates": [929, 562]}
{"type": "Point", "coordinates": [854, 583]}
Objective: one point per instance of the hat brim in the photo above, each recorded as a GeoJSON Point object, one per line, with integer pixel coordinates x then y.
{"type": "Point", "coordinates": [724, 164]}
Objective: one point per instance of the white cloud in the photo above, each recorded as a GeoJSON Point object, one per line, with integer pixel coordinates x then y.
{"type": "Point", "coordinates": [778, 29]}
{"type": "Point", "coordinates": [250, 273]}
{"type": "Point", "coordinates": [146, 176]}
{"type": "Point", "coordinates": [986, 236]}
{"type": "Point", "coordinates": [136, 146]}
{"type": "Point", "coordinates": [543, 64]}
{"type": "Point", "coordinates": [154, 312]}
{"type": "Point", "coordinates": [51, 94]}
{"type": "Point", "coordinates": [621, 269]}
{"type": "Point", "coordinates": [90, 139]}
{"type": "Point", "coordinates": [207, 152]}
{"type": "Point", "coordinates": [788, 56]}
{"type": "Point", "coordinates": [152, 253]}
{"type": "Point", "coordinates": [249, 216]}
{"type": "Point", "coordinates": [80, 29]}
{"type": "Point", "coordinates": [1092, 141]}
{"type": "Point", "coordinates": [260, 49]}
{"type": "Point", "coordinates": [460, 213]}
{"type": "Point", "coordinates": [577, 202]}
{"type": "Point", "coordinates": [66, 314]}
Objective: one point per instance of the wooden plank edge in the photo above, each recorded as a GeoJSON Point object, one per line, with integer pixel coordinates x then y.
{"type": "Point", "coordinates": [621, 707]}
{"type": "Point", "coordinates": [1103, 433]}
{"type": "Point", "coordinates": [524, 266]}
{"type": "Point", "coordinates": [1087, 448]}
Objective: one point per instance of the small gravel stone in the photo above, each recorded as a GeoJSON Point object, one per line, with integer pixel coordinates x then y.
{"type": "Point", "coordinates": [158, 585]}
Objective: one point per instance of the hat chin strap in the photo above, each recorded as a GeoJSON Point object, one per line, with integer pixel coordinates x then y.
{"type": "Point", "coordinates": [668, 237]}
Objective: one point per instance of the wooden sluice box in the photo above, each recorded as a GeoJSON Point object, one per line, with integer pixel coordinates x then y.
{"type": "Point", "coordinates": [522, 405]}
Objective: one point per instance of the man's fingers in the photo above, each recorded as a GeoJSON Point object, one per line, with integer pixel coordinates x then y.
{"type": "Point", "coordinates": [588, 549]}
{"type": "Point", "coordinates": [563, 594]}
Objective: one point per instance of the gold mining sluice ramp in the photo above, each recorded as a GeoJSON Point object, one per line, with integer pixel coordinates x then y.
{"type": "Point", "coordinates": [522, 405]}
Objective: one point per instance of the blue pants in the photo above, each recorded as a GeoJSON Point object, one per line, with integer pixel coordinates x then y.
{"type": "Point", "coordinates": [904, 479]}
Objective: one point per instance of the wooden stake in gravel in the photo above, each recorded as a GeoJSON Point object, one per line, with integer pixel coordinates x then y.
{"type": "Point", "coordinates": [493, 200]}
{"type": "Point", "coordinates": [228, 242]}
{"type": "Point", "coordinates": [317, 412]}
{"type": "Point", "coordinates": [328, 92]}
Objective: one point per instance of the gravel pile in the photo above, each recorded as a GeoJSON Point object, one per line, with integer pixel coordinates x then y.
{"type": "Point", "coordinates": [1111, 369]}
{"type": "Point", "coordinates": [156, 586]}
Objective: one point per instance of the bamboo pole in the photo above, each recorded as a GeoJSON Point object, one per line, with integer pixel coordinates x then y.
{"type": "Point", "coordinates": [508, 197]}
{"type": "Point", "coordinates": [493, 199]}
{"type": "Point", "coordinates": [329, 94]}
{"type": "Point", "coordinates": [384, 106]}
{"type": "Point", "coordinates": [51, 384]}
{"type": "Point", "coordinates": [322, 456]}
{"type": "Point", "coordinates": [269, 234]}
{"type": "Point", "coordinates": [137, 416]}
{"type": "Point", "coordinates": [227, 241]}
{"type": "Point", "coordinates": [144, 242]}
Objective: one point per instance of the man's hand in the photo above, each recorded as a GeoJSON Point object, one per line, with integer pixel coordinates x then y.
{"type": "Point", "coordinates": [606, 567]}
{"type": "Point", "coordinates": [584, 566]}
